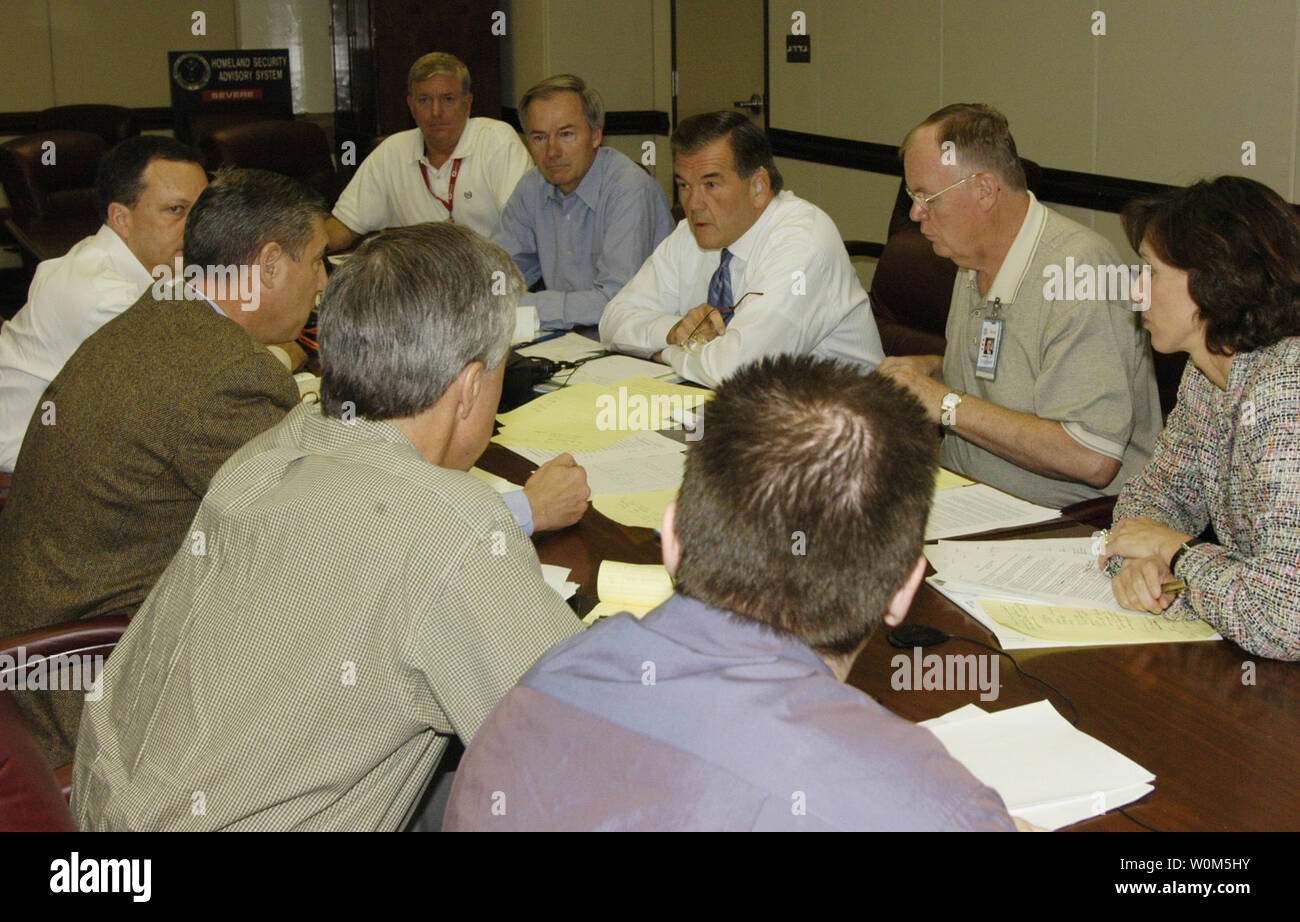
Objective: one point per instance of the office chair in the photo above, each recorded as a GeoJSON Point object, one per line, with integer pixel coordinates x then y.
{"type": "Point", "coordinates": [25, 778]}
{"type": "Point", "coordinates": [292, 148]}
{"type": "Point", "coordinates": [112, 123]}
{"type": "Point", "coordinates": [49, 178]}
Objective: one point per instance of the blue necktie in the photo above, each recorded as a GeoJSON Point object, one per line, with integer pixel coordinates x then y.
{"type": "Point", "coordinates": [720, 285]}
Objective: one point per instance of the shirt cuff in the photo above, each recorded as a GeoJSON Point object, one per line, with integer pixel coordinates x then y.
{"type": "Point", "coordinates": [1093, 442]}
{"type": "Point", "coordinates": [517, 502]}
{"type": "Point", "coordinates": [659, 329]}
{"type": "Point", "coordinates": [550, 311]}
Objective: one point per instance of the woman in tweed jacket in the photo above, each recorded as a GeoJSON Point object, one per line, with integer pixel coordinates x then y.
{"type": "Point", "coordinates": [1224, 288]}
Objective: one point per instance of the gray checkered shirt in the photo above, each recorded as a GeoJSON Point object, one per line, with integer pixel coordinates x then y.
{"type": "Point", "coordinates": [340, 608]}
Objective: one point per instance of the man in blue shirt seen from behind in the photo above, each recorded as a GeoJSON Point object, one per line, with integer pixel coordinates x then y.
{"type": "Point", "coordinates": [586, 219]}
{"type": "Point", "coordinates": [798, 529]}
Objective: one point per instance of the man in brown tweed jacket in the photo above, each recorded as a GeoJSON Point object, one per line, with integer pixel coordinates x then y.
{"type": "Point", "coordinates": [126, 438]}
{"type": "Point", "coordinates": [362, 600]}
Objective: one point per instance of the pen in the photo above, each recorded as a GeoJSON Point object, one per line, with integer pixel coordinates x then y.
{"type": "Point", "coordinates": [1173, 588]}
{"type": "Point", "coordinates": [541, 339]}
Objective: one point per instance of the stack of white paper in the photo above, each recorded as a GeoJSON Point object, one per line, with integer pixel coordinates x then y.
{"type": "Point", "coordinates": [643, 462]}
{"type": "Point", "coordinates": [527, 325]}
{"type": "Point", "coordinates": [1046, 592]}
{"type": "Point", "coordinates": [1051, 571]}
{"type": "Point", "coordinates": [500, 484]}
{"type": "Point", "coordinates": [978, 508]}
{"type": "Point", "coordinates": [558, 579]}
{"type": "Point", "coordinates": [1047, 771]}
{"type": "Point", "coordinates": [611, 369]}
{"type": "Point", "coordinates": [567, 348]}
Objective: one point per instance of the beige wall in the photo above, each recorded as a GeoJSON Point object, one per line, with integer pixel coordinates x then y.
{"type": "Point", "coordinates": [1168, 94]}
{"type": "Point", "coordinates": [302, 26]}
{"type": "Point", "coordinates": [57, 52]}
{"type": "Point", "coordinates": [623, 49]}
{"type": "Point", "coordinates": [60, 52]}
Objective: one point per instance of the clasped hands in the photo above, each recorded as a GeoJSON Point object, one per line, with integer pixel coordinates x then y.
{"type": "Point", "coordinates": [1146, 547]}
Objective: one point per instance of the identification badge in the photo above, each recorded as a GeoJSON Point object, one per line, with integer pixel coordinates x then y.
{"type": "Point", "coordinates": [986, 360]}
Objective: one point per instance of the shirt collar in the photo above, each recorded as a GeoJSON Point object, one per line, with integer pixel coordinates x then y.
{"type": "Point", "coordinates": [700, 627]}
{"type": "Point", "coordinates": [212, 304]}
{"type": "Point", "coordinates": [321, 433]}
{"type": "Point", "coordinates": [743, 248]}
{"type": "Point", "coordinates": [1016, 263]}
{"type": "Point", "coordinates": [188, 292]}
{"type": "Point", "coordinates": [122, 258]}
{"type": "Point", "coordinates": [463, 146]}
{"type": "Point", "coordinates": [589, 189]}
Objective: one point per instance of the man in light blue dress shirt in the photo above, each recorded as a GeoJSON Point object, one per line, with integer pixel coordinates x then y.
{"type": "Point", "coordinates": [586, 219]}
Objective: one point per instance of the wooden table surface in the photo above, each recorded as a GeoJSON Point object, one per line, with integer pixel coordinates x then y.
{"type": "Point", "coordinates": [1222, 750]}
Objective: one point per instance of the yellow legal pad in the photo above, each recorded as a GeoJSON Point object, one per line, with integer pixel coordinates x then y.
{"type": "Point", "coordinates": [645, 510]}
{"type": "Point", "coordinates": [630, 587]}
{"type": "Point", "coordinates": [589, 416]}
{"type": "Point", "coordinates": [1092, 625]}
{"type": "Point", "coordinates": [947, 480]}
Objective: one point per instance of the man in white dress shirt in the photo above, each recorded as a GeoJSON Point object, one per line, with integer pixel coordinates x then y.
{"type": "Point", "coordinates": [450, 168]}
{"type": "Point", "coordinates": [146, 186]}
{"type": "Point", "coordinates": [752, 270]}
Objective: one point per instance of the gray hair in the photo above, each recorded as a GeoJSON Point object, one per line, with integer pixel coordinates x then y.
{"type": "Point", "coordinates": [593, 107]}
{"type": "Point", "coordinates": [242, 211]}
{"type": "Point", "coordinates": [982, 138]}
{"type": "Point", "coordinates": [410, 309]}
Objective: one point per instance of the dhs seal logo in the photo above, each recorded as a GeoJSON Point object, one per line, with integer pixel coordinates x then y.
{"type": "Point", "coordinates": [191, 71]}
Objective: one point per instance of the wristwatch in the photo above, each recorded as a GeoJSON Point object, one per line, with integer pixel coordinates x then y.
{"type": "Point", "coordinates": [948, 409]}
{"type": "Point", "coordinates": [1187, 546]}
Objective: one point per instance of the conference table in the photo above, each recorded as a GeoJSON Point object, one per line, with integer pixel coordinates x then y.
{"type": "Point", "coordinates": [1216, 725]}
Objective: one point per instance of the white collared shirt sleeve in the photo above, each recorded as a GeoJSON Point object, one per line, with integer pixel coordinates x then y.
{"type": "Point", "coordinates": [808, 288]}
{"type": "Point", "coordinates": [639, 317]}
{"type": "Point", "coordinates": [510, 161]}
{"type": "Point", "coordinates": [363, 206]}
{"type": "Point", "coordinates": [70, 298]}
{"type": "Point", "coordinates": [811, 301]}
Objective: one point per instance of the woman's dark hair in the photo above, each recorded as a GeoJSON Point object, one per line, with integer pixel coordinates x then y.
{"type": "Point", "coordinates": [1239, 243]}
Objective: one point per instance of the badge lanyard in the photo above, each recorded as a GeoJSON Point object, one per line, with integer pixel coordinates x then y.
{"type": "Point", "coordinates": [450, 201]}
{"type": "Point", "coordinates": [990, 344]}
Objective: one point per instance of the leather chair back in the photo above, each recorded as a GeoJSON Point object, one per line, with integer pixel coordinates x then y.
{"type": "Point", "coordinates": [26, 779]}
{"type": "Point", "coordinates": [58, 181]}
{"type": "Point", "coordinates": [49, 178]}
{"type": "Point", "coordinates": [292, 148]}
{"type": "Point", "coordinates": [912, 287]}
{"type": "Point", "coordinates": [31, 799]}
{"type": "Point", "coordinates": [112, 123]}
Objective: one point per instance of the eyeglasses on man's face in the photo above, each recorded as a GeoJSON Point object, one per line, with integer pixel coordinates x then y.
{"type": "Point", "coordinates": [925, 200]}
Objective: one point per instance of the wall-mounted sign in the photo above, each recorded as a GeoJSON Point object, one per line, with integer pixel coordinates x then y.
{"type": "Point", "coordinates": [248, 80]}
{"type": "Point", "coordinates": [798, 49]}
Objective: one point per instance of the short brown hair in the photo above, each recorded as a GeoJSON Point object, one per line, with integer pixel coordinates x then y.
{"type": "Point", "coordinates": [981, 137]}
{"type": "Point", "coordinates": [1239, 243]}
{"type": "Point", "coordinates": [120, 177]}
{"type": "Point", "coordinates": [593, 107]}
{"type": "Point", "coordinates": [434, 63]}
{"type": "Point", "coordinates": [750, 148]}
{"type": "Point", "coordinates": [804, 505]}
